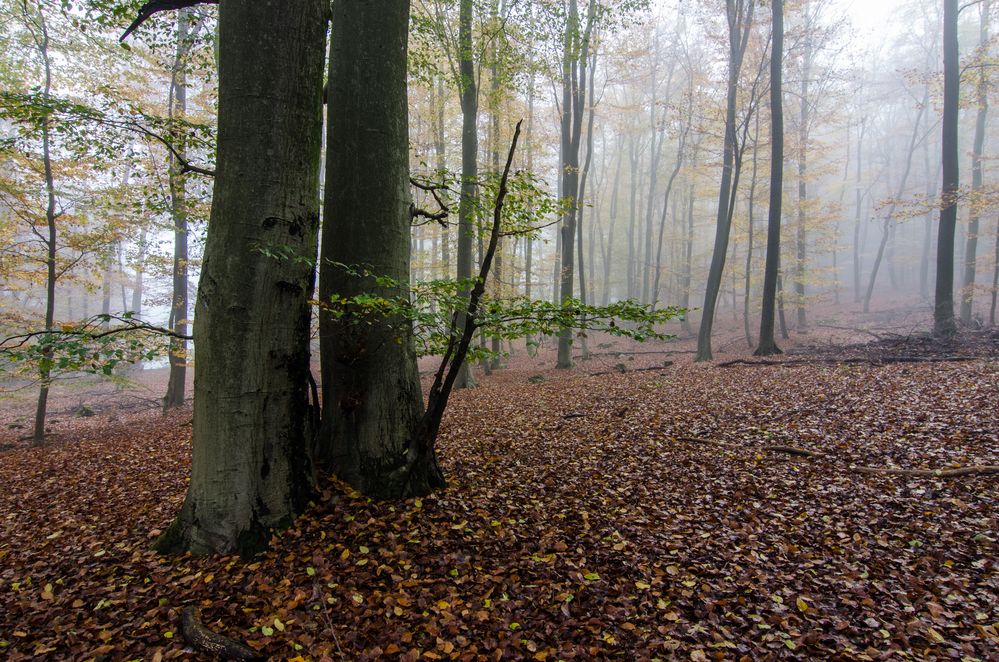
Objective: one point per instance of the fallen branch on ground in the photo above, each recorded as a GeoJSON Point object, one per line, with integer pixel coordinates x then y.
{"type": "Point", "coordinates": [854, 361]}
{"type": "Point", "coordinates": [212, 643]}
{"type": "Point", "coordinates": [669, 364]}
{"type": "Point", "coordinates": [973, 470]}
{"type": "Point", "coordinates": [956, 472]}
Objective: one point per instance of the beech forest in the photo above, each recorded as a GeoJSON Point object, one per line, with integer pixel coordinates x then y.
{"type": "Point", "coordinates": [499, 330]}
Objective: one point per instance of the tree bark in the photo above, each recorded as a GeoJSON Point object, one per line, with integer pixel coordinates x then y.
{"type": "Point", "coordinates": [977, 176]}
{"type": "Point", "coordinates": [469, 165]}
{"type": "Point", "coordinates": [574, 71]}
{"type": "Point", "coordinates": [251, 470]}
{"type": "Point", "coordinates": [943, 306]}
{"type": "Point", "coordinates": [768, 345]}
{"type": "Point", "coordinates": [41, 39]}
{"type": "Point", "coordinates": [176, 110]}
{"type": "Point", "coordinates": [740, 19]}
{"type": "Point", "coordinates": [801, 244]}
{"type": "Point", "coordinates": [372, 403]}
{"type": "Point", "coordinates": [889, 218]}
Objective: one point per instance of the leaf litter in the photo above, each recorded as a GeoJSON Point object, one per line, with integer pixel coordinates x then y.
{"type": "Point", "coordinates": [630, 516]}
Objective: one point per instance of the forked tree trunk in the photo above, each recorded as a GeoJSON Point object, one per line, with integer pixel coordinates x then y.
{"type": "Point", "coordinates": [372, 405]}
{"type": "Point", "coordinates": [575, 59]}
{"type": "Point", "coordinates": [251, 469]}
{"type": "Point", "coordinates": [740, 19]}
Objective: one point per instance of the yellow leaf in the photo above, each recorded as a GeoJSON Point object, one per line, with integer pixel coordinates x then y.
{"type": "Point", "coordinates": [278, 624]}
{"type": "Point", "coordinates": [935, 636]}
{"type": "Point", "coordinates": [642, 585]}
{"type": "Point", "coordinates": [802, 605]}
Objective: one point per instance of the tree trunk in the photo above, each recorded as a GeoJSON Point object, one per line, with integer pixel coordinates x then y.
{"type": "Point", "coordinates": [51, 237]}
{"type": "Point", "coordinates": [633, 161]}
{"type": "Point", "coordinates": [749, 241]}
{"type": "Point", "coordinates": [768, 346]}
{"type": "Point", "coordinates": [251, 470]}
{"type": "Point", "coordinates": [886, 229]}
{"type": "Point", "coordinates": [858, 211]}
{"type": "Point", "coordinates": [581, 207]}
{"type": "Point", "coordinates": [372, 403]}
{"type": "Point", "coordinates": [494, 140]}
{"type": "Point", "coordinates": [177, 109]}
{"type": "Point", "coordinates": [575, 58]}
{"type": "Point", "coordinates": [688, 261]}
{"type": "Point", "coordinates": [469, 167]}
{"type": "Point", "coordinates": [608, 254]}
{"type": "Point", "coordinates": [943, 307]}
{"type": "Point", "coordinates": [800, 232]}
{"type": "Point", "coordinates": [740, 18]}
{"type": "Point", "coordinates": [977, 178]}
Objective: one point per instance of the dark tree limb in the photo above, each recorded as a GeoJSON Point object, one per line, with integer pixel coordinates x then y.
{"type": "Point", "coordinates": [424, 442]}
{"type": "Point", "coordinates": [219, 646]}
{"type": "Point", "coordinates": [439, 216]}
{"type": "Point", "coordinates": [156, 6]}
{"type": "Point", "coordinates": [128, 326]}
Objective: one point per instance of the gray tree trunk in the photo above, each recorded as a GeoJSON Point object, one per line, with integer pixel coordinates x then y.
{"type": "Point", "coordinates": [943, 307]}
{"type": "Point", "coordinates": [740, 19]}
{"type": "Point", "coordinates": [800, 243]}
{"type": "Point", "coordinates": [469, 165]}
{"type": "Point", "coordinates": [977, 176]}
{"type": "Point", "coordinates": [251, 469]}
{"type": "Point", "coordinates": [41, 38]}
{"type": "Point", "coordinates": [177, 110]}
{"type": "Point", "coordinates": [372, 405]}
{"type": "Point", "coordinates": [574, 71]}
{"type": "Point", "coordinates": [768, 345]}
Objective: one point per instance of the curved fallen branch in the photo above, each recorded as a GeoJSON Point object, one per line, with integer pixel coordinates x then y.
{"type": "Point", "coordinates": [854, 361]}
{"type": "Point", "coordinates": [201, 638]}
{"type": "Point", "coordinates": [956, 472]}
{"type": "Point", "coordinates": [973, 470]}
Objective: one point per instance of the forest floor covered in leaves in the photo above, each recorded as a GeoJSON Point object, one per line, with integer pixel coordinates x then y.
{"type": "Point", "coordinates": [650, 513]}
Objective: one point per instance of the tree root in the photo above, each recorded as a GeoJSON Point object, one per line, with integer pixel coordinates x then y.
{"type": "Point", "coordinates": [201, 638]}
{"type": "Point", "coordinates": [956, 472]}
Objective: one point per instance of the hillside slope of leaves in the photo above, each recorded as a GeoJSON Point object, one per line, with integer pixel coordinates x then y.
{"type": "Point", "coordinates": [622, 516]}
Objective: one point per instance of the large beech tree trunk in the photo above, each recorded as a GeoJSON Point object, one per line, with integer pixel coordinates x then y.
{"type": "Point", "coordinates": [251, 470]}
{"type": "Point", "coordinates": [372, 405]}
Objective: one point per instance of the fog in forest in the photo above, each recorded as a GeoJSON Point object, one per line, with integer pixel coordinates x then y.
{"type": "Point", "coordinates": [646, 84]}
